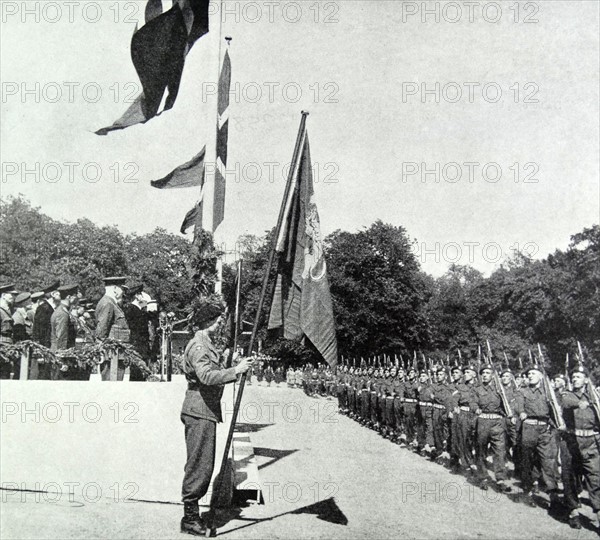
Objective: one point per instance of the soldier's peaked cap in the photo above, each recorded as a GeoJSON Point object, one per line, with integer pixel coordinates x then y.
{"type": "Point", "coordinates": [115, 280]}
{"type": "Point", "coordinates": [8, 289]}
{"type": "Point", "coordinates": [67, 290]}
{"type": "Point", "coordinates": [136, 288]}
{"type": "Point", "coordinates": [52, 287]}
{"type": "Point", "coordinates": [22, 298]}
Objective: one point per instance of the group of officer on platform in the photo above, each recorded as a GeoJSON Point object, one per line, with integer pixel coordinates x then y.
{"type": "Point", "coordinates": [460, 415]}
{"type": "Point", "coordinates": [59, 318]}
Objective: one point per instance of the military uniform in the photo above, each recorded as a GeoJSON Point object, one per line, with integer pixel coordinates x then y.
{"type": "Point", "coordinates": [6, 330]}
{"type": "Point", "coordinates": [111, 323]}
{"type": "Point", "coordinates": [410, 409]}
{"type": "Point", "coordinates": [425, 416]}
{"type": "Point", "coordinates": [463, 425]}
{"type": "Point", "coordinates": [490, 430]}
{"type": "Point", "coordinates": [397, 412]}
{"type": "Point", "coordinates": [580, 450]}
{"type": "Point", "coordinates": [137, 321]}
{"type": "Point", "coordinates": [200, 413]}
{"type": "Point", "coordinates": [442, 405]}
{"type": "Point", "coordinates": [7, 323]}
{"type": "Point", "coordinates": [539, 439]}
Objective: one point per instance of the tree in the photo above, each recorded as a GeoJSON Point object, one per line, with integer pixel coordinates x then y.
{"type": "Point", "coordinates": [160, 261]}
{"type": "Point", "coordinates": [379, 292]}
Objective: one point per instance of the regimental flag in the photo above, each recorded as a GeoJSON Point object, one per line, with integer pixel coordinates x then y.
{"type": "Point", "coordinates": [302, 302]}
{"type": "Point", "coordinates": [158, 52]}
{"type": "Point", "coordinates": [180, 178]}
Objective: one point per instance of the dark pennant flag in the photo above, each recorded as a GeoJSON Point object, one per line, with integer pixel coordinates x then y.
{"type": "Point", "coordinates": [189, 174]}
{"type": "Point", "coordinates": [301, 301]}
{"type": "Point", "coordinates": [158, 52]}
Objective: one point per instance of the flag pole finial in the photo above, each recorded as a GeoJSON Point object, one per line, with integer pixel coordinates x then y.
{"type": "Point", "coordinates": [304, 113]}
{"type": "Point", "coordinates": [228, 39]}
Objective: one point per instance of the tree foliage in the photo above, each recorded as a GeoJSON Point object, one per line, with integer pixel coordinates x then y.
{"type": "Point", "coordinates": [383, 302]}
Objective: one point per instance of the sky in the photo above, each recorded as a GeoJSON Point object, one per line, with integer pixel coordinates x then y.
{"type": "Point", "coordinates": [474, 126]}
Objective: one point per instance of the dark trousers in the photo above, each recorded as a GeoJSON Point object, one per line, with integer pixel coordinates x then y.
{"type": "Point", "coordinates": [398, 415]}
{"type": "Point", "coordinates": [390, 413]}
{"type": "Point", "coordinates": [410, 421]}
{"type": "Point", "coordinates": [492, 432]}
{"type": "Point", "coordinates": [374, 407]}
{"type": "Point", "coordinates": [440, 429]}
{"type": "Point", "coordinates": [365, 397]}
{"type": "Point", "coordinates": [200, 441]}
{"type": "Point", "coordinates": [539, 450]}
{"type": "Point", "coordinates": [426, 431]}
{"type": "Point", "coordinates": [580, 457]}
{"type": "Point", "coordinates": [462, 437]}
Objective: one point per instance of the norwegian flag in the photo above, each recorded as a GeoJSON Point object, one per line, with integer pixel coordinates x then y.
{"type": "Point", "coordinates": [222, 138]}
{"type": "Point", "coordinates": [194, 216]}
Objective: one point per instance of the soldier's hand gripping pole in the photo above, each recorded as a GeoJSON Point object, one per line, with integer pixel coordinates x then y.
{"type": "Point", "coordinates": [210, 519]}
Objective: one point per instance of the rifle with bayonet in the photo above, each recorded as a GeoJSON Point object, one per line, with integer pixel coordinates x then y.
{"type": "Point", "coordinates": [498, 383]}
{"type": "Point", "coordinates": [569, 385]}
{"type": "Point", "coordinates": [591, 389]}
{"type": "Point", "coordinates": [550, 394]}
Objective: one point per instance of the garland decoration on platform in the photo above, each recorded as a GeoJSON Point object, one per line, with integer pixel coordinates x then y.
{"type": "Point", "coordinates": [86, 357]}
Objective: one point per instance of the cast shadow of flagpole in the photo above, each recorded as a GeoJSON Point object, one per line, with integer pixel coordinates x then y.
{"type": "Point", "coordinates": [326, 510]}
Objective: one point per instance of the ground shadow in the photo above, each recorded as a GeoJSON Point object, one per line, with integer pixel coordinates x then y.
{"type": "Point", "coordinates": [250, 428]}
{"type": "Point", "coordinates": [272, 453]}
{"type": "Point", "coordinates": [325, 510]}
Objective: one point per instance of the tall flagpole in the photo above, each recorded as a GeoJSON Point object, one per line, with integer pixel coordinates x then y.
{"type": "Point", "coordinates": [238, 400]}
{"type": "Point", "coordinates": [208, 189]}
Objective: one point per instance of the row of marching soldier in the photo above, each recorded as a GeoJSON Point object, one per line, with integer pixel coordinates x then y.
{"type": "Point", "coordinates": [462, 416]}
{"type": "Point", "coordinates": [59, 318]}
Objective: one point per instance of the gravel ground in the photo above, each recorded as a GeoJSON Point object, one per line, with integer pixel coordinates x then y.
{"type": "Point", "coordinates": [322, 476]}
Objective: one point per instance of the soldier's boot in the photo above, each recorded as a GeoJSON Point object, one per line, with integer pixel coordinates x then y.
{"type": "Point", "coordinates": [556, 508]}
{"type": "Point", "coordinates": [191, 522]}
{"type": "Point", "coordinates": [574, 521]}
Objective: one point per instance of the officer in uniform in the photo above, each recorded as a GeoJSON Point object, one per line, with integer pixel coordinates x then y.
{"type": "Point", "coordinates": [63, 333]}
{"type": "Point", "coordinates": [111, 321]}
{"type": "Point", "coordinates": [201, 410]}
{"type": "Point", "coordinates": [7, 299]}
{"type": "Point", "coordinates": [137, 320]}
{"type": "Point", "coordinates": [539, 438]}
{"type": "Point", "coordinates": [580, 446]}
{"type": "Point", "coordinates": [491, 429]}
{"type": "Point", "coordinates": [21, 324]}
